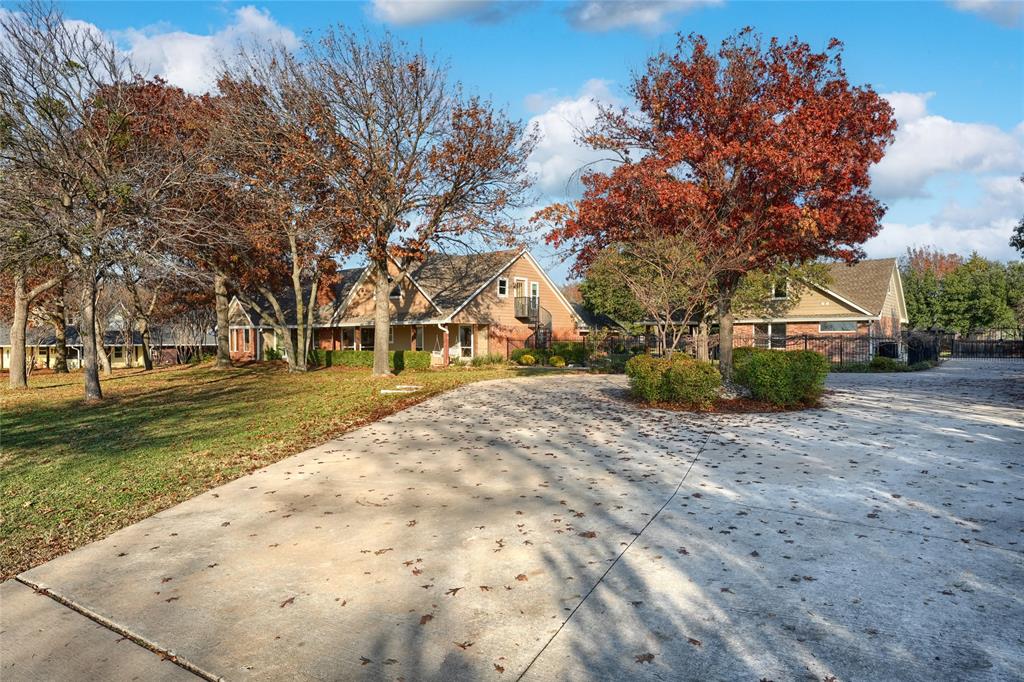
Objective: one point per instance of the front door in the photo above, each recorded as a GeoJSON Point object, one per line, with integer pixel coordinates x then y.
{"type": "Point", "coordinates": [466, 341]}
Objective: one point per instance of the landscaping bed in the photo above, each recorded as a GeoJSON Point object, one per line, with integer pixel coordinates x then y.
{"type": "Point", "coordinates": [71, 473]}
{"type": "Point", "coordinates": [764, 381]}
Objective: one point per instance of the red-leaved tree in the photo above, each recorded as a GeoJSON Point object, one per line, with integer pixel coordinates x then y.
{"type": "Point", "coordinates": [756, 151]}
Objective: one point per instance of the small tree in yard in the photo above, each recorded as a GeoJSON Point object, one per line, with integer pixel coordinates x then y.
{"type": "Point", "coordinates": [423, 165]}
{"type": "Point", "coordinates": [765, 147]}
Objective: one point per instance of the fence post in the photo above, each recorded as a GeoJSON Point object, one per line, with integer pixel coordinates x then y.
{"type": "Point", "coordinates": [841, 351]}
{"type": "Point", "coordinates": [805, 341]}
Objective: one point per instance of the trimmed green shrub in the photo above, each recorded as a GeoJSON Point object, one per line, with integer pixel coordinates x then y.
{"type": "Point", "coordinates": [398, 360]}
{"type": "Point", "coordinates": [573, 352]}
{"type": "Point", "coordinates": [884, 364]}
{"type": "Point", "coordinates": [538, 354]}
{"type": "Point", "coordinates": [556, 361]}
{"type": "Point", "coordinates": [786, 378]}
{"type": "Point", "coordinates": [607, 363]}
{"type": "Point", "coordinates": [273, 354]}
{"type": "Point", "coordinates": [679, 379]}
{"type": "Point", "coordinates": [645, 372]}
{"type": "Point", "coordinates": [690, 382]}
{"type": "Point", "coordinates": [527, 360]}
{"type": "Point", "coordinates": [488, 359]}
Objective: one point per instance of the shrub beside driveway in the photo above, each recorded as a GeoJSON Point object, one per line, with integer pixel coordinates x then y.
{"type": "Point", "coordinates": [71, 473]}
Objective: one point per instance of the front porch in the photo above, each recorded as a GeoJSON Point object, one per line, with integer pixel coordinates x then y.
{"type": "Point", "coordinates": [446, 343]}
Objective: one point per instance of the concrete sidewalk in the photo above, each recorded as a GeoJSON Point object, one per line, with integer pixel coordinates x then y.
{"type": "Point", "coordinates": [543, 526]}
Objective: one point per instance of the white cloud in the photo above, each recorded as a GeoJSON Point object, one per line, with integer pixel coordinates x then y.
{"type": "Point", "coordinates": [649, 15]}
{"type": "Point", "coordinates": [1009, 13]}
{"type": "Point", "coordinates": [893, 240]}
{"type": "Point", "coordinates": [558, 158]}
{"type": "Point", "coordinates": [190, 60]}
{"type": "Point", "coordinates": [927, 145]}
{"type": "Point", "coordinates": [983, 226]}
{"type": "Point", "coordinates": [406, 12]}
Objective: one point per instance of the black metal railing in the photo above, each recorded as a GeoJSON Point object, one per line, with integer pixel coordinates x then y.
{"type": "Point", "coordinates": [527, 307]}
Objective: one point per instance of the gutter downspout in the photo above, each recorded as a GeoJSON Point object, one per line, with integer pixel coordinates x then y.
{"type": "Point", "coordinates": [444, 351]}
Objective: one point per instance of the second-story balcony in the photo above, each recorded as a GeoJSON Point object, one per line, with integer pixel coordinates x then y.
{"type": "Point", "coordinates": [527, 307]}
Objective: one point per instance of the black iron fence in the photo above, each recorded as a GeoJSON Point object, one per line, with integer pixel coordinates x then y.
{"type": "Point", "coordinates": [845, 349]}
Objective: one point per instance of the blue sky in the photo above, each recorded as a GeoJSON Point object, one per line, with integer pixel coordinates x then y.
{"type": "Point", "coordinates": [954, 72]}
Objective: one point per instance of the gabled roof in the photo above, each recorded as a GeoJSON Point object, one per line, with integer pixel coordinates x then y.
{"type": "Point", "coordinates": [340, 291]}
{"type": "Point", "coordinates": [865, 284]}
{"type": "Point", "coordinates": [451, 280]}
{"type": "Point", "coordinates": [447, 281]}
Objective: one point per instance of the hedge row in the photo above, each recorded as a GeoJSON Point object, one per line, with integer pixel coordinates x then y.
{"type": "Point", "coordinates": [397, 359]}
{"type": "Point", "coordinates": [679, 379]}
{"type": "Point", "coordinates": [781, 377]}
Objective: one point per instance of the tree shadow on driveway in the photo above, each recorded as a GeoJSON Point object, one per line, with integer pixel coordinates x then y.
{"type": "Point", "coordinates": [454, 540]}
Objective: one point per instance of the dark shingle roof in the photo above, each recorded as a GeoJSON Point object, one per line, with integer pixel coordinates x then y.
{"type": "Point", "coordinates": [44, 336]}
{"type": "Point", "coordinates": [340, 289]}
{"type": "Point", "coordinates": [865, 283]}
{"type": "Point", "coordinates": [449, 280]}
{"type": "Point", "coordinates": [595, 320]}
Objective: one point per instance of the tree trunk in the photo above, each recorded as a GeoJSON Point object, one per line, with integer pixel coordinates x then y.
{"type": "Point", "coordinates": [726, 290]}
{"type": "Point", "coordinates": [220, 292]}
{"type": "Point", "coordinates": [301, 333]}
{"type": "Point", "coordinates": [60, 335]}
{"type": "Point", "coordinates": [147, 352]}
{"type": "Point", "coordinates": [18, 377]}
{"type": "Point", "coordinates": [381, 321]}
{"type": "Point", "coordinates": [101, 351]}
{"type": "Point", "coordinates": [87, 334]}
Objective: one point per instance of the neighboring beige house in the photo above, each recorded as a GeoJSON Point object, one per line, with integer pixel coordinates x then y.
{"type": "Point", "coordinates": [455, 306]}
{"type": "Point", "coordinates": [168, 345]}
{"type": "Point", "coordinates": [865, 298]}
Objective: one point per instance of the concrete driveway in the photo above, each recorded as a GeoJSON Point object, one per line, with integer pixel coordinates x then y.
{"type": "Point", "coordinates": [544, 529]}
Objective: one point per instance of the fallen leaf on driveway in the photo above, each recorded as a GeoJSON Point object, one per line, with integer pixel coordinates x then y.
{"type": "Point", "coordinates": [645, 658]}
{"type": "Point", "coordinates": [364, 660]}
{"type": "Point", "coordinates": [695, 642]}
{"type": "Point", "coordinates": [522, 578]}
{"type": "Point", "coordinates": [286, 602]}
{"type": "Point", "coordinates": [588, 534]}
{"type": "Point", "coordinates": [464, 645]}
{"type": "Point", "coordinates": [426, 618]}
{"type": "Point", "coordinates": [452, 592]}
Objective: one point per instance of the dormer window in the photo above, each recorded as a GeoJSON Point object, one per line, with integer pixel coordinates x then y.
{"type": "Point", "coordinates": [503, 287]}
{"type": "Point", "coordinates": [396, 293]}
{"type": "Point", "coordinates": [779, 291]}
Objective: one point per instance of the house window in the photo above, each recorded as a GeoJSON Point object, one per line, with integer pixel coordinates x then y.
{"type": "Point", "coordinates": [366, 338]}
{"type": "Point", "coordinates": [396, 293]}
{"type": "Point", "coordinates": [245, 339]}
{"type": "Point", "coordinates": [779, 290]}
{"type": "Point", "coordinates": [838, 326]}
{"type": "Point", "coordinates": [503, 287]}
{"type": "Point", "coordinates": [534, 290]}
{"type": "Point", "coordinates": [391, 334]}
{"type": "Point", "coordinates": [419, 337]}
{"type": "Point", "coordinates": [771, 335]}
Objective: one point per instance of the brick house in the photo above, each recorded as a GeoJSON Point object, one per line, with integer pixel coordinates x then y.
{"type": "Point", "coordinates": [864, 298]}
{"type": "Point", "coordinates": [454, 306]}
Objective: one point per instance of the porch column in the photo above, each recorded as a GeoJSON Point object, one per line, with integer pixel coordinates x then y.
{"type": "Point", "coordinates": [357, 337]}
{"type": "Point", "coordinates": [445, 353]}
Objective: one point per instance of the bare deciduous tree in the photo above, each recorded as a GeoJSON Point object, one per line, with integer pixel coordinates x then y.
{"type": "Point", "coordinates": [424, 165]}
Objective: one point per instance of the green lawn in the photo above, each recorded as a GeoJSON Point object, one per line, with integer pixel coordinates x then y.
{"type": "Point", "coordinates": [71, 473]}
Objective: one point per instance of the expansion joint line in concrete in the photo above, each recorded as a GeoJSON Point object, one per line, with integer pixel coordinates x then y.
{"type": "Point", "coordinates": [127, 634]}
{"type": "Point", "coordinates": [616, 560]}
